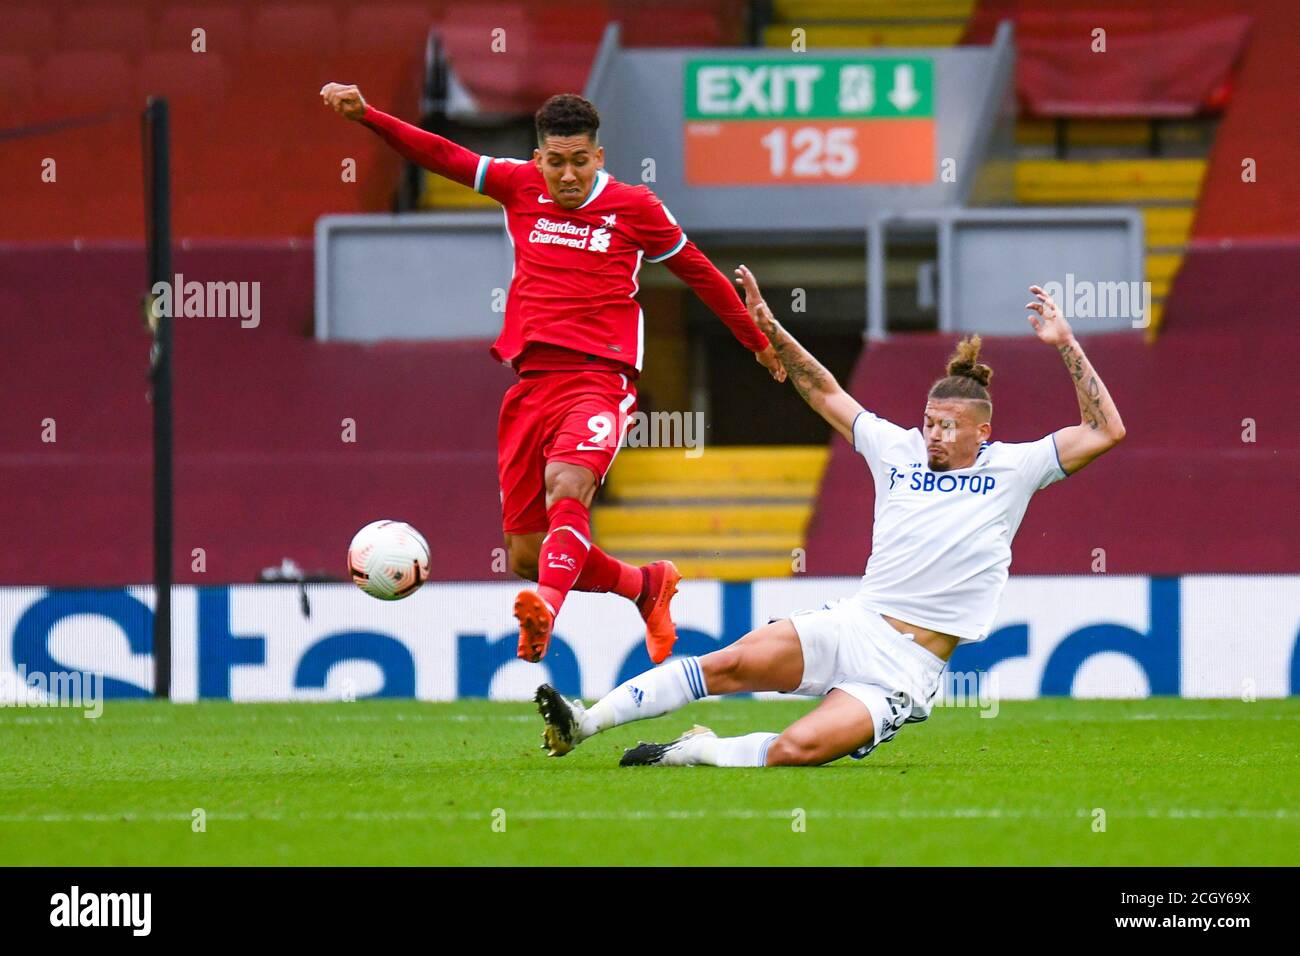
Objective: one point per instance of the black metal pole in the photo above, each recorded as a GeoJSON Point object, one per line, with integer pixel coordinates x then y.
{"type": "Point", "coordinates": [160, 270]}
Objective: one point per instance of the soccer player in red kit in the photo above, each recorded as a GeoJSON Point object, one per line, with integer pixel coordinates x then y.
{"type": "Point", "coordinates": [575, 336]}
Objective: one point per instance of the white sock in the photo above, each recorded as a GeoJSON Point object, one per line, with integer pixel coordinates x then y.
{"type": "Point", "coordinates": [747, 751]}
{"type": "Point", "coordinates": [656, 692]}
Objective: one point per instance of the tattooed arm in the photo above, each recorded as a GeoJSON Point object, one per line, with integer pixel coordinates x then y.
{"type": "Point", "coordinates": [814, 384]}
{"type": "Point", "coordinates": [1101, 428]}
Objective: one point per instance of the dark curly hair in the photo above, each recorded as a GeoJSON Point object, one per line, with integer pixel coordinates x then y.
{"type": "Point", "coordinates": [566, 114]}
{"type": "Point", "coordinates": [967, 377]}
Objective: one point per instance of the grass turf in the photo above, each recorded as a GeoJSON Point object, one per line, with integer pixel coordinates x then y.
{"type": "Point", "coordinates": [1181, 782]}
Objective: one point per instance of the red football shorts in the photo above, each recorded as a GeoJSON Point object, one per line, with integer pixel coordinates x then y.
{"type": "Point", "coordinates": [579, 417]}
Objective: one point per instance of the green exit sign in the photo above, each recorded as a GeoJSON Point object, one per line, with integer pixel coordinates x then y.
{"type": "Point", "coordinates": [809, 88]}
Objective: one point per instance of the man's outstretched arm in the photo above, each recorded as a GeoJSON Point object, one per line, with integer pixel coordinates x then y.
{"type": "Point", "coordinates": [814, 384]}
{"type": "Point", "coordinates": [428, 150]}
{"type": "Point", "coordinates": [1101, 428]}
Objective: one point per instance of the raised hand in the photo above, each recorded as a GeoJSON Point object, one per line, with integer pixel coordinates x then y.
{"type": "Point", "coordinates": [344, 99]}
{"type": "Point", "coordinates": [1049, 325]}
{"type": "Point", "coordinates": [763, 318]}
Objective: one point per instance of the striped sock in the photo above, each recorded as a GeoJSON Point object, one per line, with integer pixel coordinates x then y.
{"type": "Point", "coordinates": [652, 694]}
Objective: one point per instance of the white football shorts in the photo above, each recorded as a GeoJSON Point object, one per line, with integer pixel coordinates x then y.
{"type": "Point", "coordinates": [848, 647]}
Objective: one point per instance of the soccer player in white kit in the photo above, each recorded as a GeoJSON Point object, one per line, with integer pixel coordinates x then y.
{"type": "Point", "coordinates": [948, 503]}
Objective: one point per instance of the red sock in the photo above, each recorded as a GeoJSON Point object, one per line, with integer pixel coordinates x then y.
{"type": "Point", "coordinates": [603, 573]}
{"type": "Point", "coordinates": [564, 550]}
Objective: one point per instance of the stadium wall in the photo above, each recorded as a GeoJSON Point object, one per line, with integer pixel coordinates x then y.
{"type": "Point", "coordinates": [1096, 636]}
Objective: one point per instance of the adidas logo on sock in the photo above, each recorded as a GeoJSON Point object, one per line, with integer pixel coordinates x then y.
{"type": "Point", "coordinates": [637, 694]}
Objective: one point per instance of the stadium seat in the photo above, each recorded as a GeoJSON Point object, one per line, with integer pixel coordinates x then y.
{"type": "Point", "coordinates": [225, 28]}
{"type": "Point", "coordinates": [27, 30]}
{"type": "Point", "coordinates": [1168, 225]}
{"type": "Point", "coordinates": [1108, 181]}
{"type": "Point", "coordinates": [399, 27]}
{"type": "Point", "coordinates": [116, 28]}
{"type": "Point", "coordinates": [297, 28]}
{"type": "Point", "coordinates": [73, 83]}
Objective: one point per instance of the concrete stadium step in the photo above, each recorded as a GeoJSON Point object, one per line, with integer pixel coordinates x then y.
{"type": "Point", "coordinates": [723, 569]}
{"type": "Point", "coordinates": [1051, 181]}
{"type": "Point", "coordinates": [1168, 225]}
{"type": "Point", "coordinates": [706, 519]}
{"type": "Point", "coordinates": [669, 492]}
{"type": "Point", "coordinates": [732, 466]}
{"type": "Point", "coordinates": [732, 513]}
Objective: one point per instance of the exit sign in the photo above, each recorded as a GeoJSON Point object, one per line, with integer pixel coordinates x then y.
{"type": "Point", "coordinates": [809, 121]}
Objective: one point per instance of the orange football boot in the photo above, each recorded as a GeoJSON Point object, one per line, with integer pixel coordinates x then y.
{"type": "Point", "coordinates": [660, 632]}
{"type": "Point", "coordinates": [535, 623]}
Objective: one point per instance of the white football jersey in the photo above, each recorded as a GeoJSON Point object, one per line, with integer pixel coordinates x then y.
{"type": "Point", "coordinates": [941, 541]}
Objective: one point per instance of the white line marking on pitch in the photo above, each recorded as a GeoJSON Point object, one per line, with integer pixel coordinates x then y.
{"type": "Point", "coordinates": [109, 718]}
{"type": "Point", "coordinates": [278, 718]}
{"type": "Point", "coordinates": [967, 813]}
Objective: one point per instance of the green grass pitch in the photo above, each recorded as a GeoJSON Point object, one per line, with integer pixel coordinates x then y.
{"type": "Point", "coordinates": [1181, 782]}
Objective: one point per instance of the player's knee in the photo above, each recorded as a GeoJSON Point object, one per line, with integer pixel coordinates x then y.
{"type": "Point", "coordinates": [794, 750]}
{"type": "Point", "coordinates": [722, 670]}
{"type": "Point", "coordinates": [523, 563]}
{"type": "Point", "coordinates": [574, 482]}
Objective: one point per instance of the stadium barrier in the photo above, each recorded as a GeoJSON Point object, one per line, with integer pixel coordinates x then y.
{"type": "Point", "coordinates": [1226, 636]}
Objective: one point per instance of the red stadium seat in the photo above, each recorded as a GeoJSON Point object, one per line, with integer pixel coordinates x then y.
{"type": "Point", "coordinates": [27, 30]}
{"type": "Point", "coordinates": [18, 80]}
{"type": "Point", "coordinates": [296, 29]}
{"type": "Point", "coordinates": [399, 27]}
{"type": "Point", "coordinates": [225, 28]}
{"type": "Point", "coordinates": [118, 28]}
{"type": "Point", "coordinates": [72, 83]}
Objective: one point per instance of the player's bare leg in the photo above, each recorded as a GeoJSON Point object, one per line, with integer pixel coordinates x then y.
{"type": "Point", "coordinates": [769, 658]}
{"type": "Point", "coordinates": [521, 553]}
{"type": "Point", "coordinates": [838, 726]}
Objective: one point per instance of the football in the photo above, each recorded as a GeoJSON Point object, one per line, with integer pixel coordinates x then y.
{"type": "Point", "coordinates": [388, 559]}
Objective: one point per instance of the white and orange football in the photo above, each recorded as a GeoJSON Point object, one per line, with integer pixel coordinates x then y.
{"type": "Point", "coordinates": [388, 559]}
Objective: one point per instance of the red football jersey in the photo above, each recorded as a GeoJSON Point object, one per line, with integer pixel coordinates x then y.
{"type": "Point", "coordinates": [575, 275]}
{"type": "Point", "coordinates": [574, 282]}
